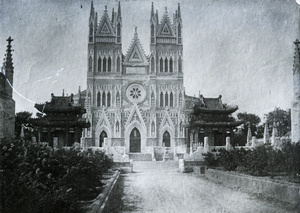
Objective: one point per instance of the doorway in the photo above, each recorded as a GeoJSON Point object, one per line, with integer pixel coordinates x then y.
{"type": "Point", "coordinates": [135, 141]}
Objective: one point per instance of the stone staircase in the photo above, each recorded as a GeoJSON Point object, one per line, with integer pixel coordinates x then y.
{"type": "Point", "coordinates": [140, 157]}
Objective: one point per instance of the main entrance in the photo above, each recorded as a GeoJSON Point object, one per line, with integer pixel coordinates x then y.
{"type": "Point", "coordinates": [102, 136]}
{"type": "Point", "coordinates": [167, 139]}
{"type": "Point", "coordinates": [135, 141]}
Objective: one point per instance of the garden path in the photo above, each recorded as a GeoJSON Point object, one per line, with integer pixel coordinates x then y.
{"type": "Point", "coordinates": [159, 187]}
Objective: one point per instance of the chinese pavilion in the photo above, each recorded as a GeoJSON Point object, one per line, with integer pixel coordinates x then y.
{"type": "Point", "coordinates": [61, 122]}
{"type": "Point", "coordinates": [210, 118]}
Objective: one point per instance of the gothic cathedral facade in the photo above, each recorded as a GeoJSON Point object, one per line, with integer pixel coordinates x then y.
{"type": "Point", "coordinates": [135, 100]}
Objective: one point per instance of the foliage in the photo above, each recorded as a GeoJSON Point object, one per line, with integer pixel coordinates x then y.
{"type": "Point", "coordinates": [36, 178]}
{"type": "Point", "coordinates": [21, 119]}
{"type": "Point", "coordinates": [249, 119]}
{"type": "Point", "coordinates": [260, 161]}
{"type": "Point", "coordinates": [210, 160]}
{"type": "Point", "coordinates": [282, 120]}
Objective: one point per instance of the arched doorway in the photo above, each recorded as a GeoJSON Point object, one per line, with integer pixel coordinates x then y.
{"type": "Point", "coordinates": [102, 136]}
{"type": "Point", "coordinates": [167, 139]}
{"type": "Point", "coordinates": [135, 141]}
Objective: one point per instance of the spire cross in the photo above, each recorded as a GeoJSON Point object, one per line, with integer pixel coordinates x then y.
{"type": "Point", "coordinates": [9, 40]}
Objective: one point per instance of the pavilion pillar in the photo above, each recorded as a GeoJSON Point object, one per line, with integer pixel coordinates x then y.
{"type": "Point", "coordinates": [67, 136]}
{"type": "Point", "coordinates": [76, 135]}
{"type": "Point", "coordinates": [49, 135]}
{"type": "Point", "coordinates": [191, 142]}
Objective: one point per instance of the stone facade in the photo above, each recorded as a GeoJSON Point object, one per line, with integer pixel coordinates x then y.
{"type": "Point", "coordinates": [295, 111]}
{"type": "Point", "coordinates": [135, 100]}
{"type": "Point", "coordinates": [7, 104]}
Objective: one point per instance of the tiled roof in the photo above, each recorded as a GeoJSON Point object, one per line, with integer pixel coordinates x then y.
{"type": "Point", "coordinates": [59, 104]}
{"type": "Point", "coordinates": [213, 103]}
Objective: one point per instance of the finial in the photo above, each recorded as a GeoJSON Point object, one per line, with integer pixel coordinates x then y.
{"type": "Point", "coordinates": [105, 10]}
{"type": "Point", "coordinates": [166, 10]}
{"type": "Point", "coordinates": [63, 93]}
{"type": "Point", "coordinates": [119, 9]}
{"type": "Point", "coordinates": [135, 30]}
{"type": "Point", "coordinates": [179, 13]}
{"type": "Point", "coordinates": [113, 15]}
{"type": "Point", "coordinates": [152, 10]}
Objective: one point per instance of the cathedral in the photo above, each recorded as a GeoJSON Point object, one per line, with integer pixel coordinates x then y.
{"type": "Point", "coordinates": [134, 100]}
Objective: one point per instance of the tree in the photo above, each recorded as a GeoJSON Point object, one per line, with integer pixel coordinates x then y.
{"type": "Point", "coordinates": [22, 119]}
{"type": "Point", "coordinates": [249, 119]}
{"type": "Point", "coordinates": [281, 119]}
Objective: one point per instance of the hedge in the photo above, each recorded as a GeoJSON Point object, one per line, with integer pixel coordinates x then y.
{"type": "Point", "coordinates": [37, 178]}
{"type": "Point", "coordinates": [259, 161]}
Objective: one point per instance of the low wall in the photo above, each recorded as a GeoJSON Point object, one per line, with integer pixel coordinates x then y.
{"type": "Point", "coordinates": [187, 166]}
{"type": "Point", "coordinates": [283, 191]}
{"type": "Point", "coordinates": [103, 201]}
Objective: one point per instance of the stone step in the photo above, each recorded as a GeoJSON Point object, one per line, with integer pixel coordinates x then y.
{"type": "Point", "coordinates": [140, 157]}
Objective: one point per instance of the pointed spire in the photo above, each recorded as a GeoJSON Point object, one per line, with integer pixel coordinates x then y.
{"type": "Point", "coordinates": [63, 92]}
{"type": "Point", "coordinates": [8, 59]}
{"type": "Point", "coordinates": [119, 10]}
{"type": "Point", "coordinates": [179, 13]}
{"type": "Point", "coordinates": [113, 16]}
{"type": "Point", "coordinates": [156, 16]}
{"type": "Point", "coordinates": [92, 9]}
{"type": "Point", "coordinates": [152, 11]}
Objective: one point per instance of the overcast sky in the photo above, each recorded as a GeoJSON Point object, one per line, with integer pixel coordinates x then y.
{"type": "Point", "coordinates": [242, 49]}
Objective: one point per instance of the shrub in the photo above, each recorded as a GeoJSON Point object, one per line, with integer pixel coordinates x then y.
{"type": "Point", "coordinates": [211, 161]}
{"type": "Point", "coordinates": [36, 178]}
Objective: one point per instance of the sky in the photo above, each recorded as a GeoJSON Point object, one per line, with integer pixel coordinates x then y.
{"type": "Point", "coordinates": [242, 50]}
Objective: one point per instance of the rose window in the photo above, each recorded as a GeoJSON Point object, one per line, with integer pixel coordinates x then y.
{"type": "Point", "coordinates": [135, 93]}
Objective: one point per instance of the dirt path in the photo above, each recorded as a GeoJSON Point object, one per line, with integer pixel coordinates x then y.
{"type": "Point", "coordinates": [159, 187]}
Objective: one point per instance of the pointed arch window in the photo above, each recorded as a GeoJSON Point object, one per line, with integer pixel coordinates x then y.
{"type": "Point", "coordinates": [152, 65]}
{"type": "Point", "coordinates": [152, 100]}
{"type": "Point", "coordinates": [166, 100]}
{"type": "Point", "coordinates": [98, 99]}
{"type": "Point", "coordinates": [152, 128]}
{"type": "Point", "coordinates": [166, 65]}
{"type": "Point", "coordinates": [171, 65]}
{"type": "Point", "coordinates": [119, 29]}
{"type": "Point", "coordinates": [179, 65]}
{"type": "Point", "coordinates": [152, 30]}
{"type": "Point", "coordinates": [171, 99]}
{"type": "Point", "coordinates": [91, 30]}
{"type": "Point", "coordinates": [90, 63]}
{"type": "Point", "coordinates": [180, 99]}
{"type": "Point", "coordinates": [109, 64]}
{"type": "Point", "coordinates": [118, 64]}
{"type": "Point", "coordinates": [108, 99]}
{"type": "Point", "coordinates": [161, 99]}
{"type": "Point", "coordinates": [161, 65]}
{"type": "Point", "coordinates": [104, 64]}
{"type": "Point", "coordinates": [117, 127]}
{"type": "Point", "coordinates": [118, 99]}
{"type": "Point", "coordinates": [99, 64]}
{"type": "Point", "coordinates": [103, 99]}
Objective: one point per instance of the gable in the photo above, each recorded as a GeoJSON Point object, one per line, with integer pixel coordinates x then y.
{"type": "Point", "coordinates": [105, 27]}
{"type": "Point", "coordinates": [135, 116]}
{"type": "Point", "coordinates": [166, 27]}
{"type": "Point", "coordinates": [135, 53]}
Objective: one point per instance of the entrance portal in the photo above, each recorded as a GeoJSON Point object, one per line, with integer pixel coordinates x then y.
{"type": "Point", "coordinates": [102, 136]}
{"type": "Point", "coordinates": [135, 141]}
{"type": "Point", "coordinates": [166, 139]}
